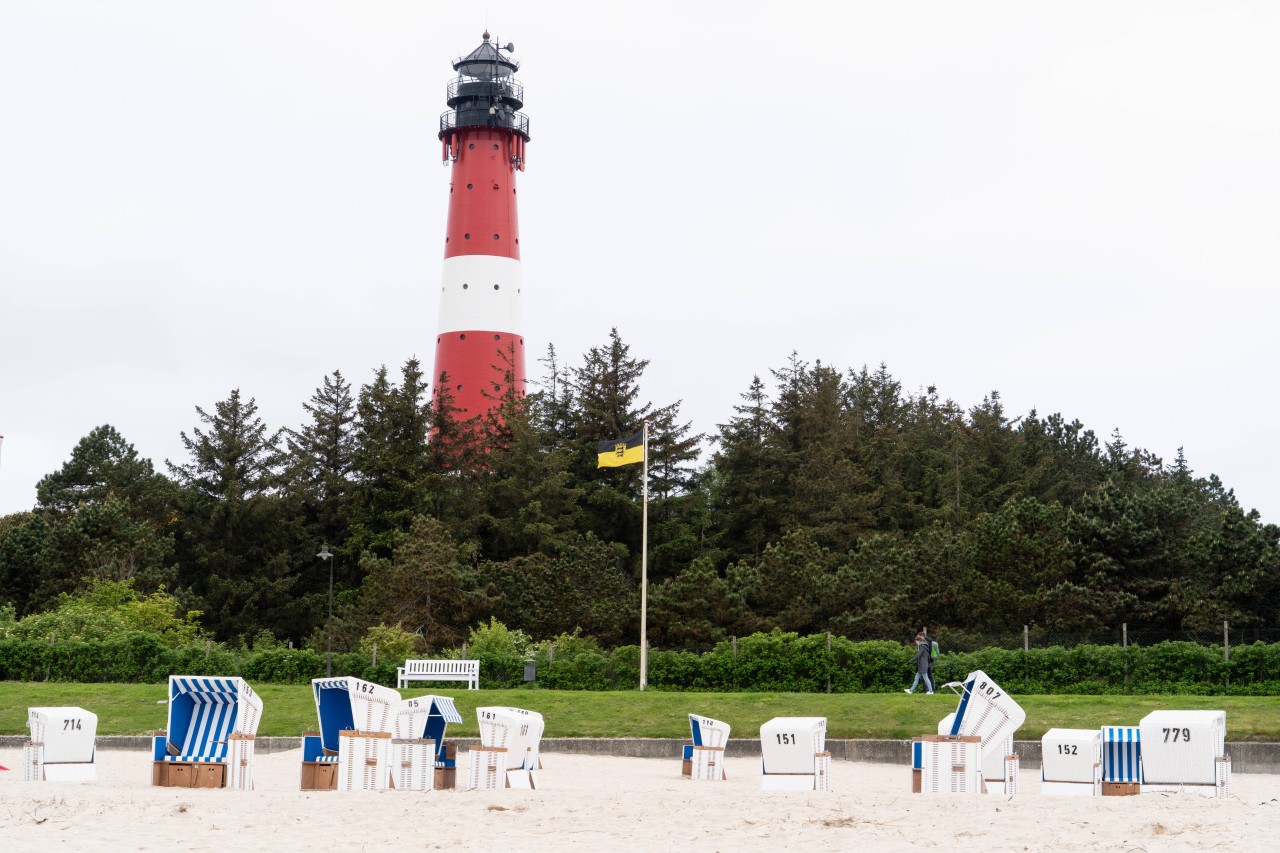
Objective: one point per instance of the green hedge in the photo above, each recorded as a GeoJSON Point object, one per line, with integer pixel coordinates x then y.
{"type": "Point", "coordinates": [776, 661]}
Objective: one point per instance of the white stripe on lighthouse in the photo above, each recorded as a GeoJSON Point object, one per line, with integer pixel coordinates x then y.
{"type": "Point", "coordinates": [480, 292]}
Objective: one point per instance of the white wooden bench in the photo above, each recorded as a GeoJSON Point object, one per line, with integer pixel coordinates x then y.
{"type": "Point", "coordinates": [439, 670]}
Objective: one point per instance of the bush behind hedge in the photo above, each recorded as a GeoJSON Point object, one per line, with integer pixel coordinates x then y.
{"type": "Point", "coordinates": [776, 661]}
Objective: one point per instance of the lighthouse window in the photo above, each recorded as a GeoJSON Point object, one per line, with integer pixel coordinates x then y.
{"type": "Point", "coordinates": [465, 285]}
{"type": "Point", "coordinates": [497, 388]}
{"type": "Point", "coordinates": [495, 146]}
{"type": "Point", "coordinates": [469, 186]}
{"type": "Point", "coordinates": [466, 236]}
{"type": "Point", "coordinates": [495, 236]}
{"type": "Point", "coordinates": [495, 287]}
{"type": "Point", "coordinates": [462, 337]}
{"type": "Point", "coordinates": [459, 387]}
{"type": "Point", "coordinates": [497, 337]}
{"type": "Point", "coordinates": [472, 145]}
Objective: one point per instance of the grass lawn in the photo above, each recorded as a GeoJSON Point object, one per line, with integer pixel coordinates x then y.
{"type": "Point", "coordinates": [288, 710]}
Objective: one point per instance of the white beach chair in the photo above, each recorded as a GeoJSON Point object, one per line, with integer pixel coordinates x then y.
{"type": "Point", "coordinates": [62, 746]}
{"type": "Point", "coordinates": [793, 754]}
{"type": "Point", "coordinates": [418, 747]}
{"type": "Point", "coordinates": [706, 753]}
{"type": "Point", "coordinates": [357, 719]}
{"type": "Point", "coordinates": [949, 764]}
{"type": "Point", "coordinates": [519, 733]}
{"type": "Point", "coordinates": [988, 712]}
{"type": "Point", "coordinates": [212, 724]}
{"type": "Point", "coordinates": [1071, 763]}
{"type": "Point", "coordinates": [1185, 751]}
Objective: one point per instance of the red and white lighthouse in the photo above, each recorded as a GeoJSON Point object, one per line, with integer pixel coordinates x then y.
{"type": "Point", "coordinates": [479, 345]}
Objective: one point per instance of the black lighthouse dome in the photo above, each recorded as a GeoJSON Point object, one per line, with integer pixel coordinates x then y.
{"type": "Point", "coordinates": [485, 94]}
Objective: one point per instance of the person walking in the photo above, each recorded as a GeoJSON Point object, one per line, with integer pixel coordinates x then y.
{"type": "Point", "coordinates": [921, 660]}
{"type": "Point", "coordinates": [933, 652]}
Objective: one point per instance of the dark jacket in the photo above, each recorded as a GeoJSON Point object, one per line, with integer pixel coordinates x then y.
{"type": "Point", "coordinates": [921, 659]}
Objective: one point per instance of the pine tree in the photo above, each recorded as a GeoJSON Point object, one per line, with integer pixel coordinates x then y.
{"type": "Point", "coordinates": [320, 459]}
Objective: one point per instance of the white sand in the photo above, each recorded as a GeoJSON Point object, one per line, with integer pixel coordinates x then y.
{"type": "Point", "coordinates": [603, 803]}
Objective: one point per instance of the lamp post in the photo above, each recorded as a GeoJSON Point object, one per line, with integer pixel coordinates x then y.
{"type": "Point", "coordinates": [326, 555]}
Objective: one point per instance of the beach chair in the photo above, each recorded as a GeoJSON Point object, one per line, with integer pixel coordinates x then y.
{"type": "Point", "coordinates": [209, 743]}
{"type": "Point", "coordinates": [1185, 751]}
{"type": "Point", "coordinates": [986, 711]}
{"type": "Point", "coordinates": [1071, 763]}
{"type": "Point", "coordinates": [706, 752]}
{"type": "Point", "coordinates": [62, 745]}
{"type": "Point", "coordinates": [1121, 761]}
{"type": "Point", "coordinates": [793, 755]}
{"type": "Point", "coordinates": [512, 736]}
{"type": "Point", "coordinates": [352, 750]}
{"type": "Point", "coordinates": [419, 752]}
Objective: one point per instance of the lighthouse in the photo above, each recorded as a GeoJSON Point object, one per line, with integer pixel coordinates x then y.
{"type": "Point", "coordinates": [479, 344]}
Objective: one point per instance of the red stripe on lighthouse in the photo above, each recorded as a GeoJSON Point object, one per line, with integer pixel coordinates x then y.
{"type": "Point", "coordinates": [482, 200]}
{"type": "Point", "coordinates": [479, 358]}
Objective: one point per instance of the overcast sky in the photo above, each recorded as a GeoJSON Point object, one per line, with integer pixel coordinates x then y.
{"type": "Point", "coordinates": [1074, 204]}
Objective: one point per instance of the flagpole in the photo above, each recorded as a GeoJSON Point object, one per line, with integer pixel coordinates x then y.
{"type": "Point", "coordinates": [644, 569]}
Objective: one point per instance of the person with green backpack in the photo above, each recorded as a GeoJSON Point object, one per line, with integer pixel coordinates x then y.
{"type": "Point", "coordinates": [933, 653]}
{"type": "Point", "coordinates": [921, 661]}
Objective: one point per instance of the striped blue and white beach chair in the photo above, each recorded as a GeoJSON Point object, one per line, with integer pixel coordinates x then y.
{"type": "Point", "coordinates": [357, 720]}
{"type": "Point", "coordinates": [1121, 760]}
{"type": "Point", "coordinates": [211, 728]}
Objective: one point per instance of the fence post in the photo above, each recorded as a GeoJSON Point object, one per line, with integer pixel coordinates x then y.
{"type": "Point", "coordinates": [374, 662]}
{"type": "Point", "coordinates": [464, 651]}
{"type": "Point", "coordinates": [828, 661]}
{"type": "Point", "coordinates": [734, 643]}
{"type": "Point", "coordinates": [1026, 650]}
{"type": "Point", "coordinates": [1226, 650]}
{"type": "Point", "coordinates": [1124, 644]}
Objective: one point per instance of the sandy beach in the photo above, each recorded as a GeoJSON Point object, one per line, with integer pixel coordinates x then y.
{"type": "Point", "coordinates": [609, 803]}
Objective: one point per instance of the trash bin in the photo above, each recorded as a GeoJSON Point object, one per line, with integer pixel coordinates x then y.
{"type": "Point", "coordinates": [530, 670]}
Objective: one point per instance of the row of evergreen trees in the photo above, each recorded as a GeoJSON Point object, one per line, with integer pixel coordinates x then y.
{"type": "Point", "coordinates": [829, 500]}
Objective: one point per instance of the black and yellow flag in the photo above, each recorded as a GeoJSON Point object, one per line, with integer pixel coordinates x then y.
{"type": "Point", "coordinates": [623, 451]}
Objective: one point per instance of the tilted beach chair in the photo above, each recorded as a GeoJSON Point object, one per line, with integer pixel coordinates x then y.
{"type": "Point", "coordinates": [988, 712]}
{"type": "Point", "coordinates": [209, 742]}
{"type": "Point", "coordinates": [985, 712]}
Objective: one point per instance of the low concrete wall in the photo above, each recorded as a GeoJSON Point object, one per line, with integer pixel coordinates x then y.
{"type": "Point", "coordinates": [1245, 757]}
